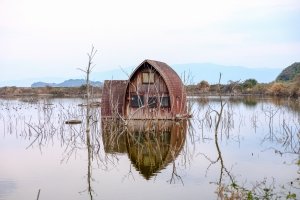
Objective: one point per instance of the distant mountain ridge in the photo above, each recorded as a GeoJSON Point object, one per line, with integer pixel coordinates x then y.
{"type": "Point", "coordinates": [67, 83]}
{"type": "Point", "coordinates": [210, 72]}
{"type": "Point", "coordinates": [289, 73]}
{"type": "Point", "coordinates": [196, 72]}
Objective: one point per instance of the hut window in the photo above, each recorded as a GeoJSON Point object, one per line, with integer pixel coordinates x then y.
{"type": "Point", "coordinates": [165, 102]}
{"type": "Point", "coordinates": [136, 101]}
{"type": "Point", "coordinates": [152, 102]}
{"type": "Point", "coordinates": [148, 77]}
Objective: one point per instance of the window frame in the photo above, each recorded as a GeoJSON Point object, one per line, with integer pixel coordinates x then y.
{"type": "Point", "coordinates": [148, 77]}
{"type": "Point", "coordinates": [136, 101]}
{"type": "Point", "coordinates": [161, 102]}
{"type": "Point", "coordinates": [152, 102]}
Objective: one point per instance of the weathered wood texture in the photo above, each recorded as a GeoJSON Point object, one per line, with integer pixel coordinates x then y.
{"type": "Point", "coordinates": [166, 83]}
{"type": "Point", "coordinates": [113, 95]}
{"type": "Point", "coordinates": [146, 90]}
{"type": "Point", "coordinates": [153, 91]}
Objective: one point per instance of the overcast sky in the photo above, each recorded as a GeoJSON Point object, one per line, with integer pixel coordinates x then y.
{"type": "Point", "coordinates": [50, 38]}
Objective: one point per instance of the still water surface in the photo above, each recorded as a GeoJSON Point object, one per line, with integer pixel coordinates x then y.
{"type": "Point", "coordinates": [255, 148]}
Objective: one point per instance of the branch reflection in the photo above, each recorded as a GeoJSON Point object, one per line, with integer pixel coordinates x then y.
{"type": "Point", "coordinates": [150, 145]}
{"type": "Point", "coordinates": [153, 146]}
{"type": "Point", "coordinates": [283, 138]}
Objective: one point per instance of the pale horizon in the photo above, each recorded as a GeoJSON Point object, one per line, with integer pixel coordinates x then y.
{"type": "Point", "coordinates": [51, 38]}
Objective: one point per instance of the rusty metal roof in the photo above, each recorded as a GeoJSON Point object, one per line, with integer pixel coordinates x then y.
{"type": "Point", "coordinates": [114, 91]}
{"type": "Point", "coordinates": [173, 82]}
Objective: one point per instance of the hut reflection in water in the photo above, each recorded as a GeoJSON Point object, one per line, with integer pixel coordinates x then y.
{"type": "Point", "coordinates": [151, 145]}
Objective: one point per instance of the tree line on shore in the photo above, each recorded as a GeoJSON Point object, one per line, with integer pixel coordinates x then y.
{"type": "Point", "coordinates": [48, 91]}
{"type": "Point", "coordinates": [248, 87]}
{"type": "Point", "coordinates": [287, 84]}
{"type": "Point", "coordinates": [232, 88]}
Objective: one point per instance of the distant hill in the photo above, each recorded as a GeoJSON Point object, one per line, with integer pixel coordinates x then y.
{"type": "Point", "coordinates": [210, 72]}
{"type": "Point", "coordinates": [289, 73]}
{"type": "Point", "coordinates": [67, 83]}
{"type": "Point", "coordinates": [197, 72]}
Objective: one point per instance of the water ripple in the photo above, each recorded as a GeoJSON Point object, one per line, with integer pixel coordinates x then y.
{"type": "Point", "coordinates": [6, 187]}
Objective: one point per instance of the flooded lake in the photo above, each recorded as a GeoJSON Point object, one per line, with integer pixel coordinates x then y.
{"type": "Point", "coordinates": [239, 148]}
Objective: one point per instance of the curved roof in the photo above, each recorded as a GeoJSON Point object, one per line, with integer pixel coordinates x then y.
{"type": "Point", "coordinates": [173, 82]}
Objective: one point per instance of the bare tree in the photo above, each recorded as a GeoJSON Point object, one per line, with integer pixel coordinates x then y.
{"type": "Point", "coordinates": [88, 71]}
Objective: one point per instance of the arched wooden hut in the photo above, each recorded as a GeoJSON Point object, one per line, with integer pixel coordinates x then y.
{"type": "Point", "coordinates": [153, 91]}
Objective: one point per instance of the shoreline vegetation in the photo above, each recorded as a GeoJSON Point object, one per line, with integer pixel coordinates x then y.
{"type": "Point", "coordinates": [286, 85]}
{"type": "Point", "coordinates": [248, 88]}
{"type": "Point", "coordinates": [48, 91]}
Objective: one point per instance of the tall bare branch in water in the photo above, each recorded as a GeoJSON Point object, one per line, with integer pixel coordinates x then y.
{"type": "Point", "coordinates": [218, 119]}
{"type": "Point", "coordinates": [88, 71]}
